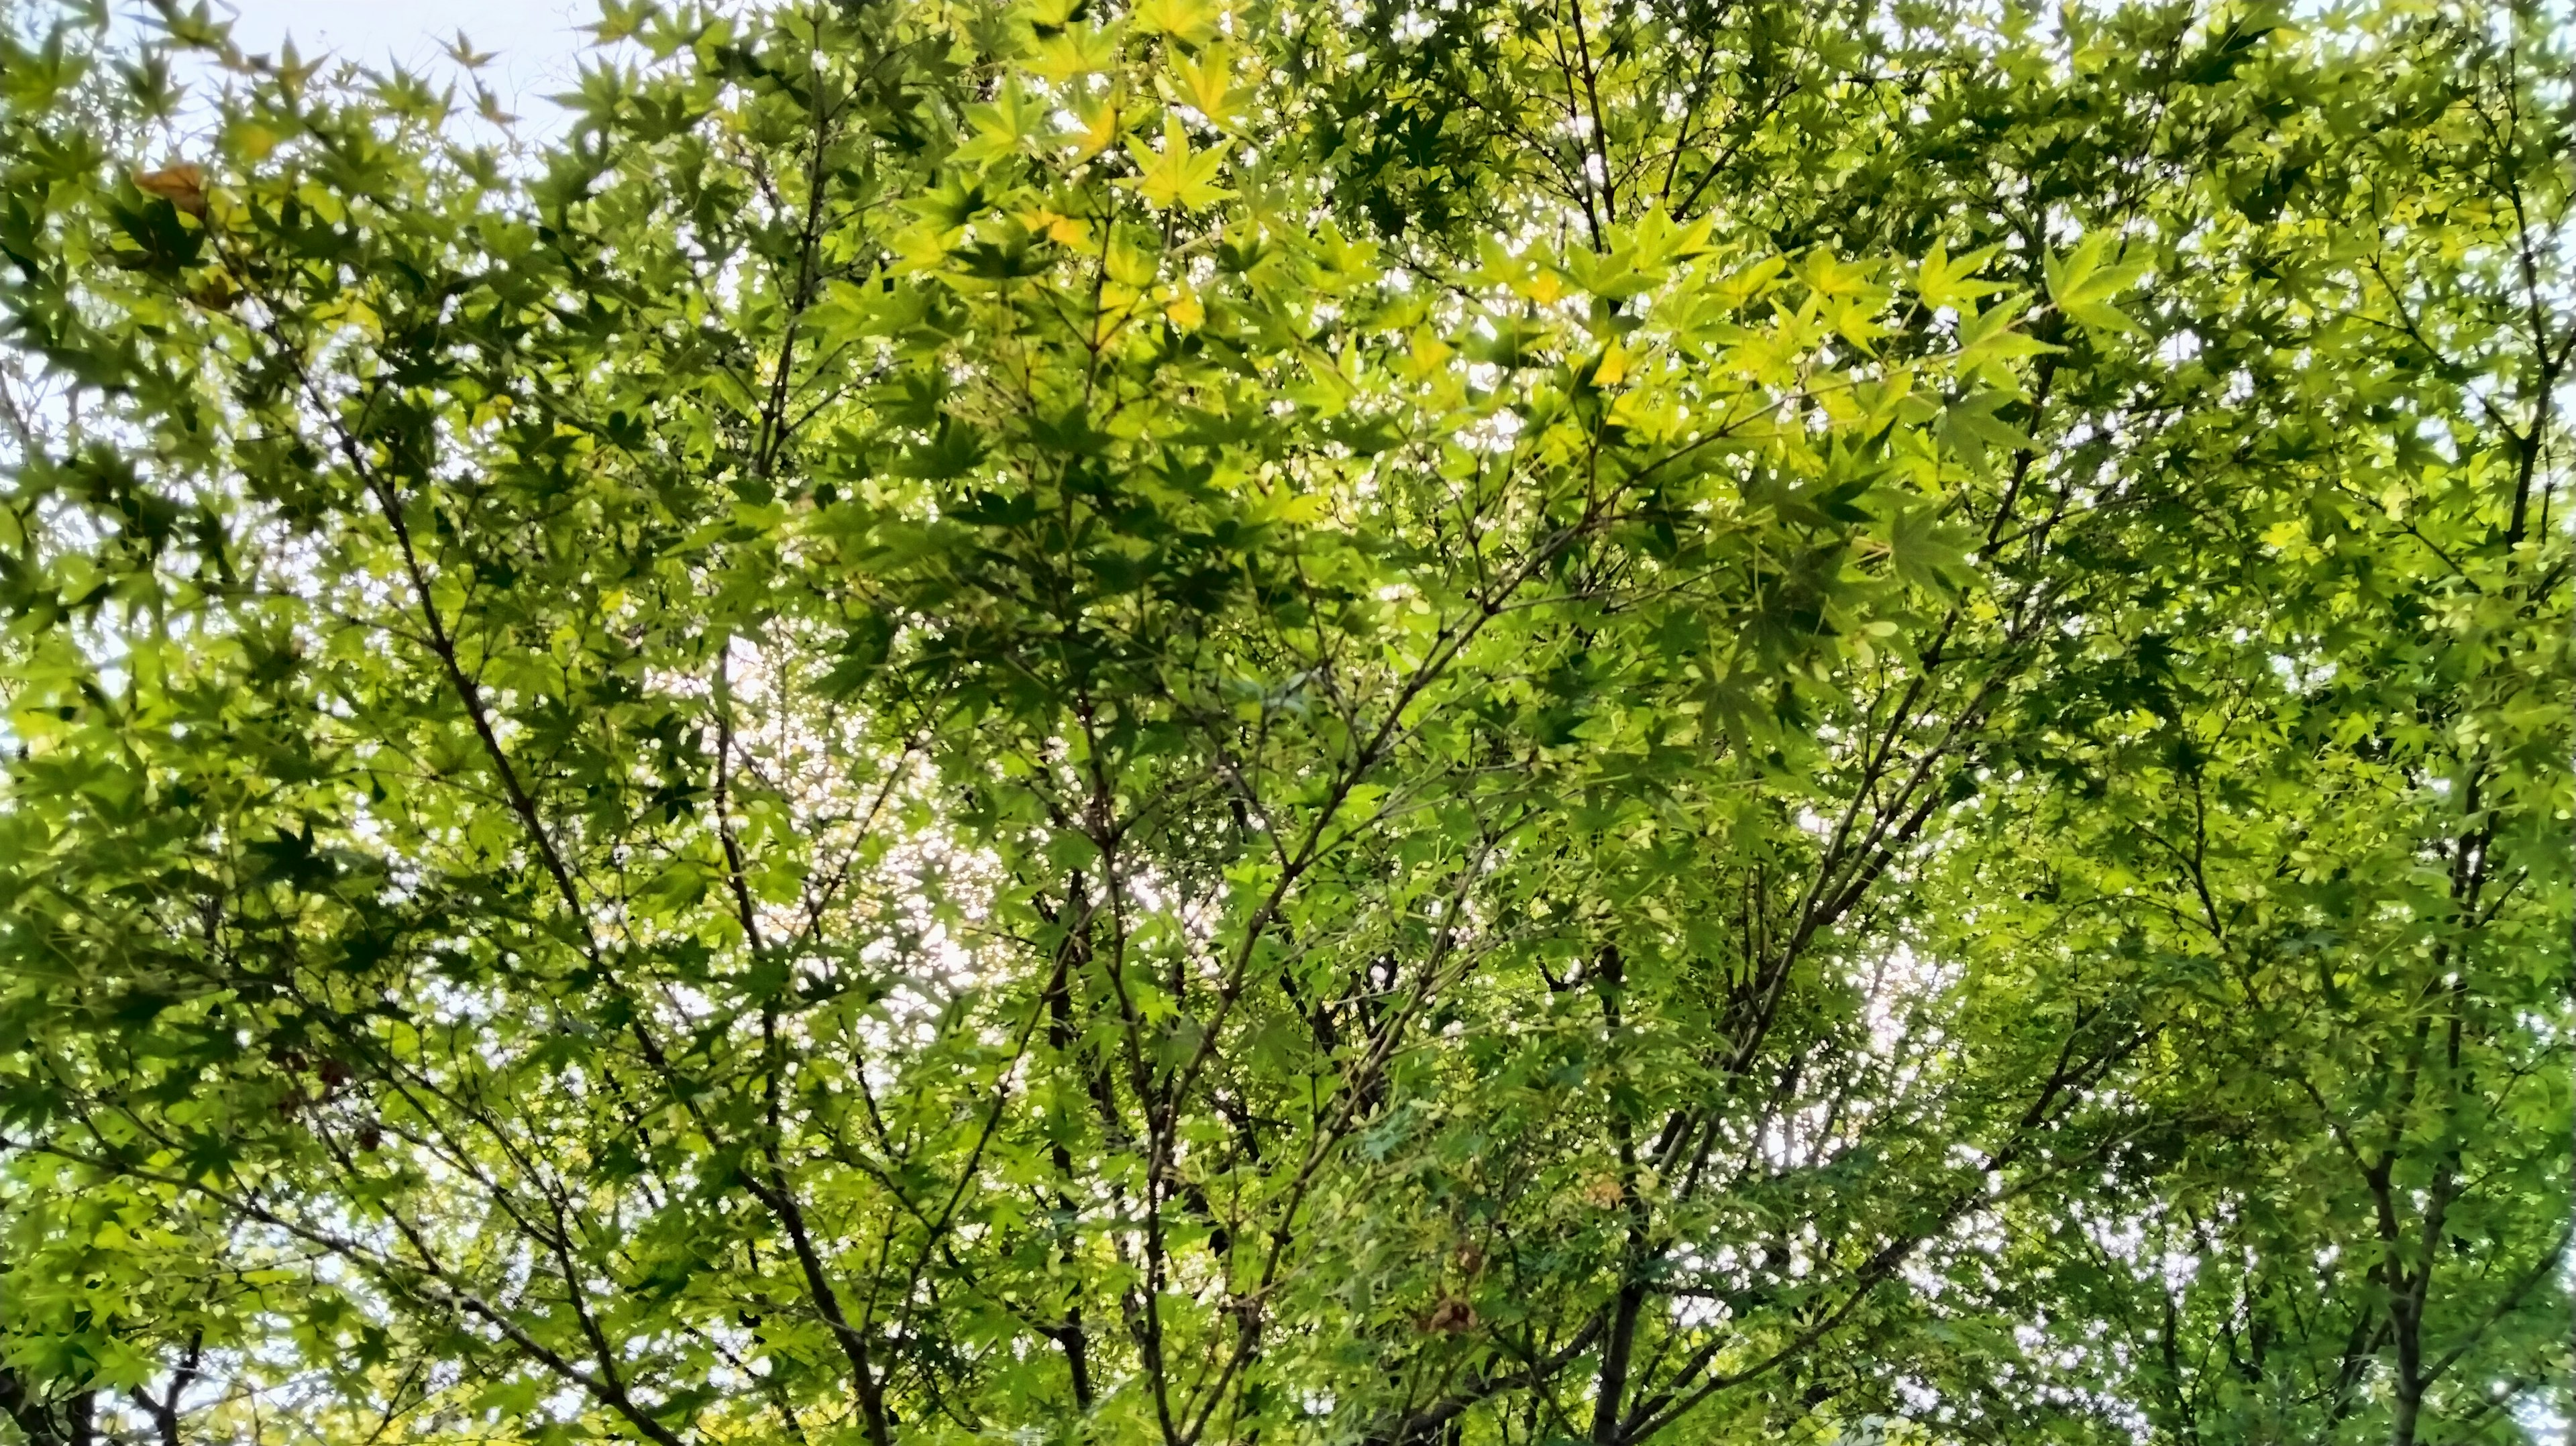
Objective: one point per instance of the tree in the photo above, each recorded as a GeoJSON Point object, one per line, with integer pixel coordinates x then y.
{"type": "Point", "coordinates": [1386, 724]}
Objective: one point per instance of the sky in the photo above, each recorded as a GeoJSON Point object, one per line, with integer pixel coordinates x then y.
{"type": "Point", "coordinates": [538, 42]}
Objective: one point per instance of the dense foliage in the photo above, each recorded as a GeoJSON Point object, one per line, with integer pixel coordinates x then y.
{"type": "Point", "coordinates": [1717, 720]}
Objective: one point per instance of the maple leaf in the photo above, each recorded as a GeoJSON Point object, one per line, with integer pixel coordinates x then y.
{"type": "Point", "coordinates": [1001, 126]}
{"type": "Point", "coordinates": [1187, 21]}
{"type": "Point", "coordinates": [1099, 127]}
{"type": "Point", "coordinates": [462, 51]}
{"type": "Point", "coordinates": [1207, 83]}
{"type": "Point", "coordinates": [2082, 286]}
{"type": "Point", "coordinates": [1177, 176]}
{"type": "Point", "coordinates": [1943, 280]}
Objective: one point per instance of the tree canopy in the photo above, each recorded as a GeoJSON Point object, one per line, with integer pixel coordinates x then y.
{"type": "Point", "coordinates": [1280, 720]}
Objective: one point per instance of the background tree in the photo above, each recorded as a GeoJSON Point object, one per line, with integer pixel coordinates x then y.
{"type": "Point", "coordinates": [1390, 724]}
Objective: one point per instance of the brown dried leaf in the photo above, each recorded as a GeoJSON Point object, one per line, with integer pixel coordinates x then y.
{"type": "Point", "coordinates": [182, 186]}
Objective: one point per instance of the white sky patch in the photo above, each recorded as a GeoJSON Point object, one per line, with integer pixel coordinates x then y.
{"type": "Point", "coordinates": [538, 46]}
